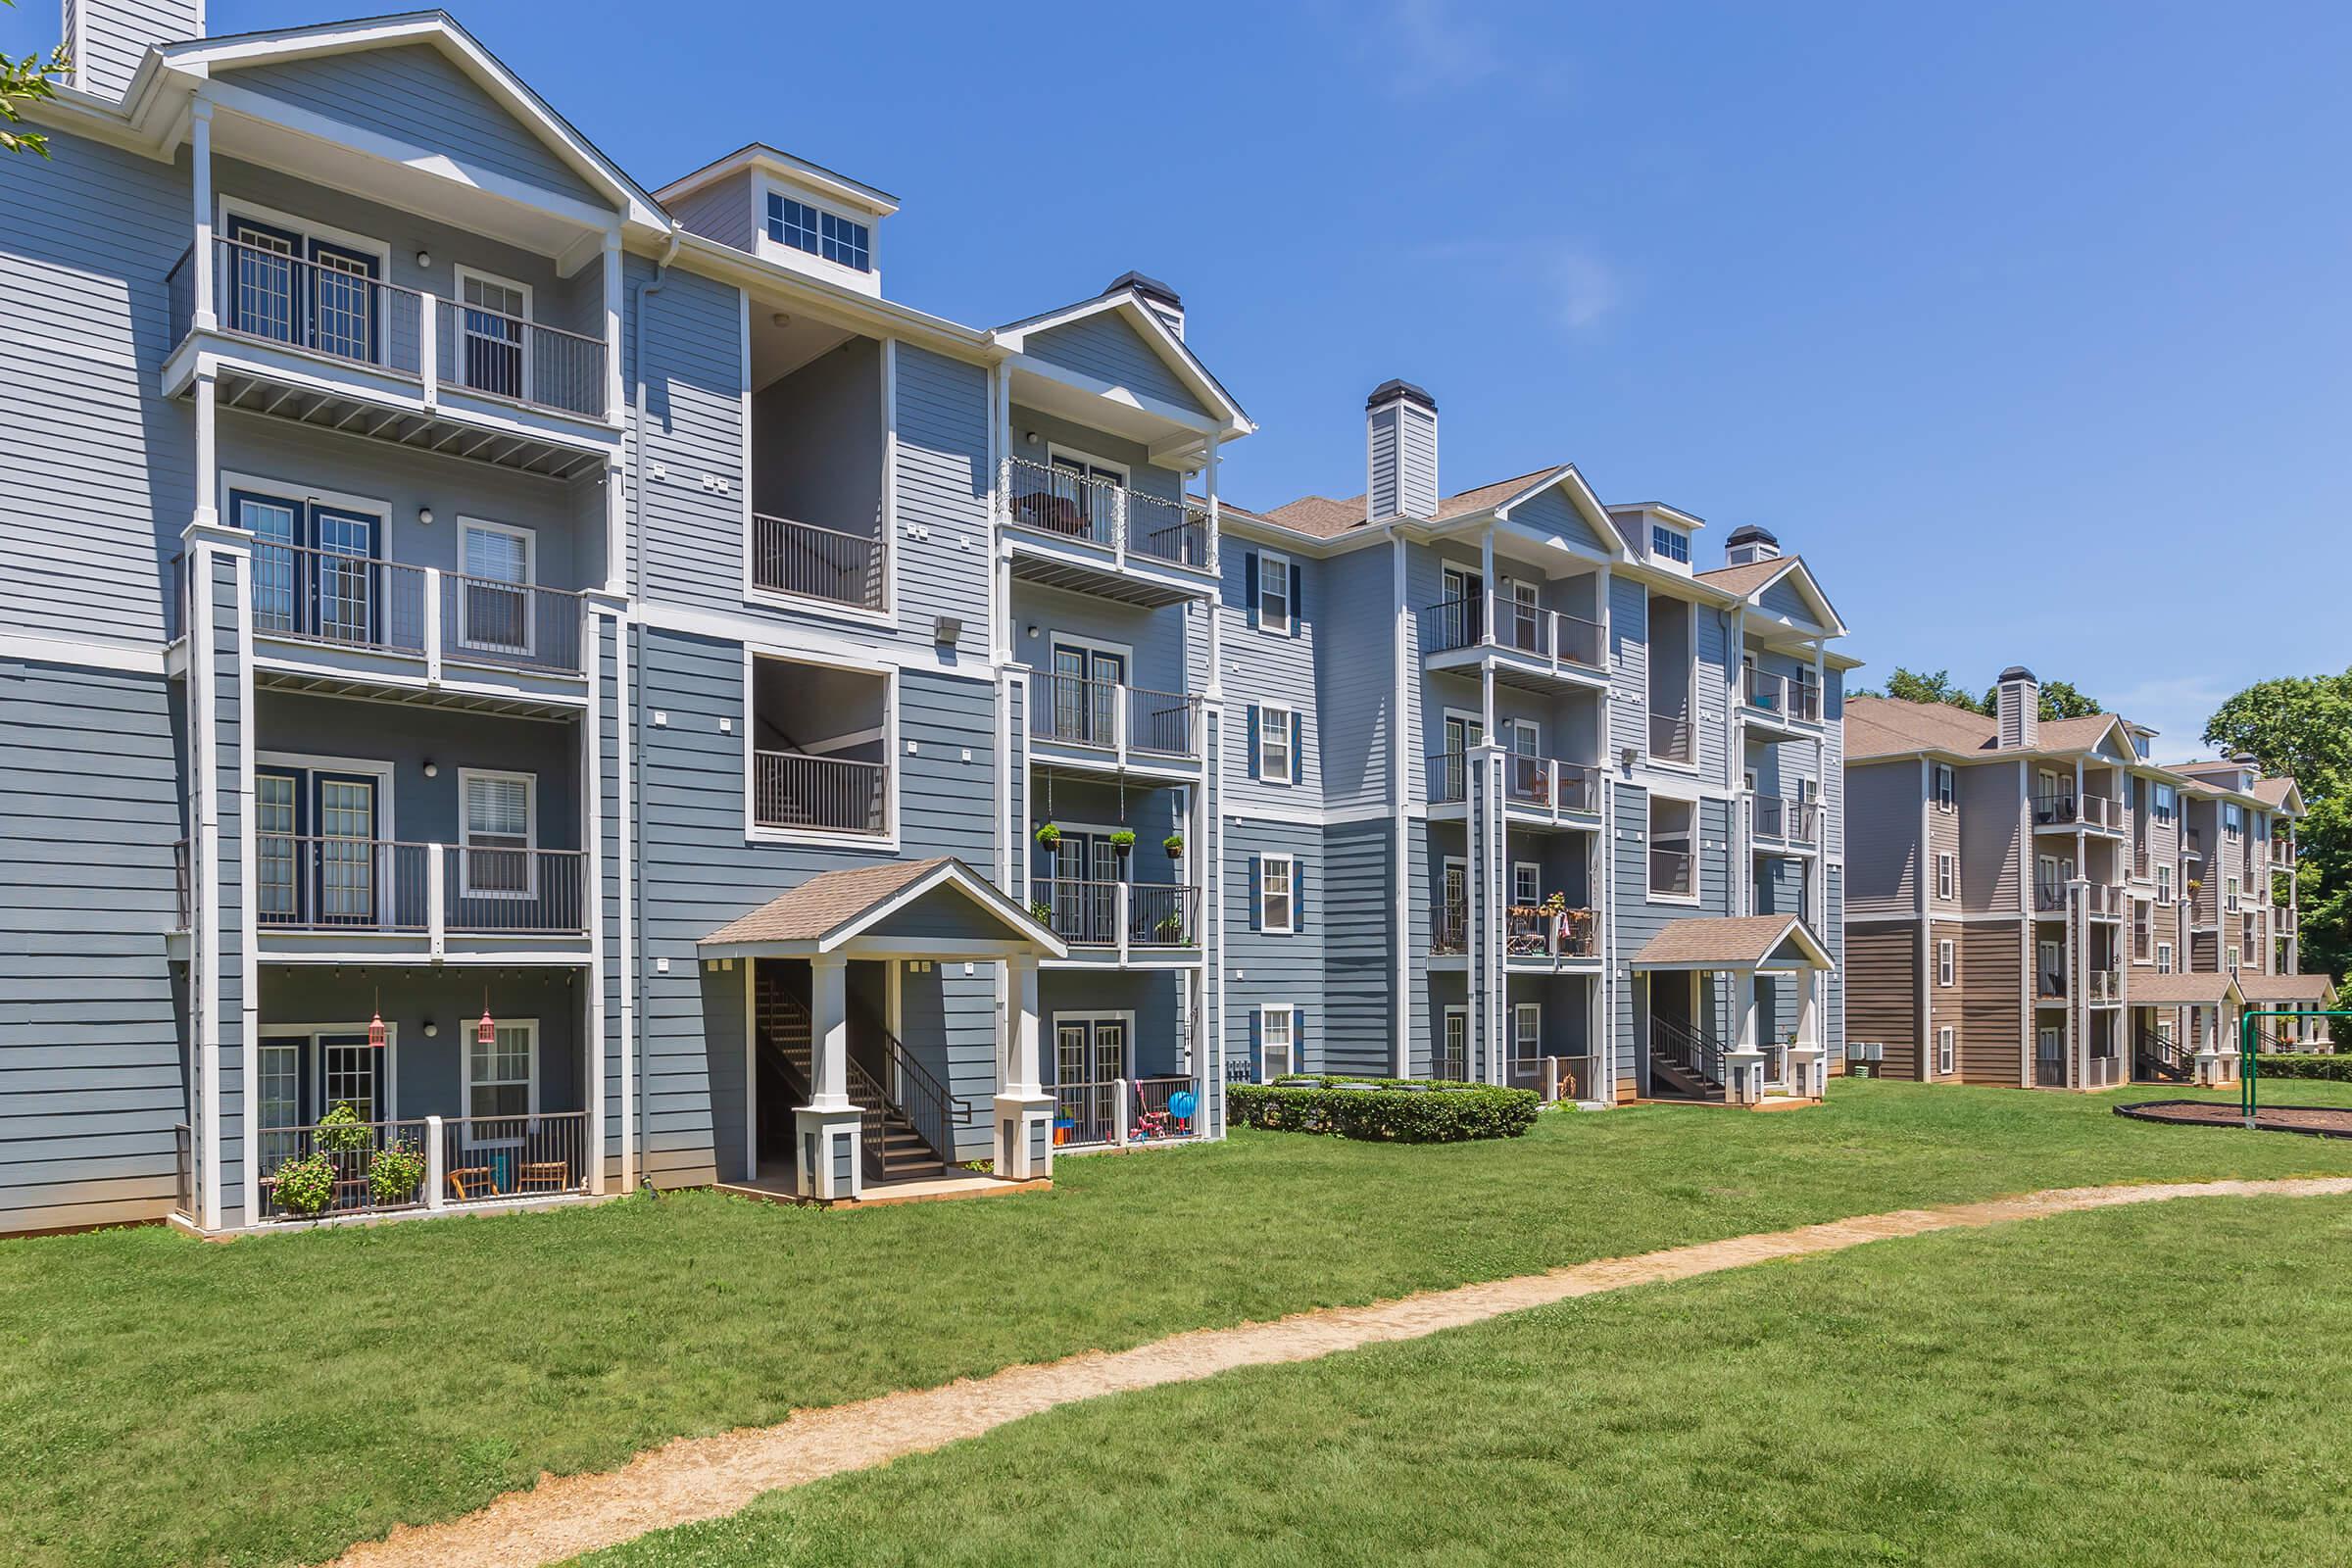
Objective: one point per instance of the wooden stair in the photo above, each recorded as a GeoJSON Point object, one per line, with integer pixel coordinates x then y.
{"type": "Point", "coordinates": [893, 1149]}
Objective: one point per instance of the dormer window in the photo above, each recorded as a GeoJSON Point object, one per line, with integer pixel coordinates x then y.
{"type": "Point", "coordinates": [1669, 544]}
{"type": "Point", "coordinates": [818, 232]}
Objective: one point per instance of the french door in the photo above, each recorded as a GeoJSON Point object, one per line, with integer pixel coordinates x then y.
{"type": "Point", "coordinates": [300, 1078]}
{"type": "Point", "coordinates": [1086, 694]}
{"type": "Point", "coordinates": [317, 856]}
{"type": "Point", "coordinates": [1090, 1054]}
{"type": "Point", "coordinates": [1464, 594]}
{"type": "Point", "coordinates": [316, 571]}
{"type": "Point", "coordinates": [313, 294]}
{"type": "Point", "coordinates": [1454, 1062]}
{"type": "Point", "coordinates": [1462, 732]}
{"type": "Point", "coordinates": [1088, 869]}
{"type": "Point", "coordinates": [1094, 491]}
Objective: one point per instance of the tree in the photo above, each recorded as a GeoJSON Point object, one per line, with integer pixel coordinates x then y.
{"type": "Point", "coordinates": [2060, 698]}
{"type": "Point", "coordinates": [1907, 685]}
{"type": "Point", "coordinates": [2302, 724]}
{"type": "Point", "coordinates": [23, 81]}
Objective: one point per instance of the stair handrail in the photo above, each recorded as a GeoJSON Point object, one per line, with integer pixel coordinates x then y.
{"type": "Point", "coordinates": [1695, 1051]}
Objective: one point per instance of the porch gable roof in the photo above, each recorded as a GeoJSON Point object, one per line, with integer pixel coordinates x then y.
{"type": "Point", "coordinates": [832, 908]}
{"type": "Point", "coordinates": [1735, 942]}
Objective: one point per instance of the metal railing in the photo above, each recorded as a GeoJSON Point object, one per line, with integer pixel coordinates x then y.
{"type": "Point", "coordinates": [2049, 984]}
{"type": "Point", "coordinates": [1768, 692]}
{"type": "Point", "coordinates": [1787, 821]}
{"type": "Point", "coordinates": [835, 794]}
{"type": "Point", "coordinates": [1543, 932]}
{"type": "Point", "coordinates": [1106, 716]}
{"type": "Point", "coordinates": [2068, 810]}
{"type": "Point", "coordinates": [1162, 916]}
{"type": "Point", "coordinates": [1088, 913]}
{"type": "Point", "coordinates": [1449, 929]}
{"type": "Point", "coordinates": [1100, 511]}
{"type": "Point", "coordinates": [1557, 1078]}
{"type": "Point", "coordinates": [1549, 785]}
{"type": "Point", "coordinates": [2049, 1073]}
{"type": "Point", "coordinates": [1163, 724]}
{"type": "Point", "coordinates": [1552, 635]}
{"type": "Point", "coordinates": [321, 882]}
{"type": "Point", "coordinates": [808, 561]}
{"type": "Point", "coordinates": [1155, 1118]}
{"type": "Point", "coordinates": [1670, 737]}
{"type": "Point", "coordinates": [1449, 777]}
{"type": "Point", "coordinates": [2158, 1055]}
{"type": "Point", "coordinates": [1452, 623]}
{"type": "Point", "coordinates": [349, 600]}
{"type": "Point", "coordinates": [493, 1158]}
{"type": "Point", "coordinates": [523, 361]}
{"type": "Point", "coordinates": [1087, 1112]}
{"type": "Point", "coordinates": [1696, 1054]}
{"type": "Point", "coordinates": [350, 1148]}
{"type": "Point", "coordinates": [1670, 872]}
{"type": "Point", "coordinates": [916, 1093]}
{"type": "Point", "coordinates": [2049, 896]}
{"type": "Point", "coordinates": [514, 892]}
{"type": "Point", "coordinates": [521, 626]}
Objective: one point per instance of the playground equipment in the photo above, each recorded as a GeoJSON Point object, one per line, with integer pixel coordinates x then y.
{"type": "Point", "coordinates": [2249, 1091]}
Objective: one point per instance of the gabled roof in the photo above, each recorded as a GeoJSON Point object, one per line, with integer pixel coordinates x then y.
{"type": "Point", "coordinates": [1325, 518]}
{"type": "Point", "coordinates": [2280, 988]}
{"type": "Point", "coordinates": [760, 155]}
{"type": "Point", "coordinates": [2150, 989]}
{"type": "Point", "coordinates": [1749, 581]}
{"type": "Point", "coordinates": [1126, 300]}
{"type": "Point", "coordinates": [1736, 942]}
{"type": "Point", "coordinates": [438, 30]}
{"type": "Point", "coordinates": [1888, 726]}
{"type": "Point", "coordinates": [833, 907]}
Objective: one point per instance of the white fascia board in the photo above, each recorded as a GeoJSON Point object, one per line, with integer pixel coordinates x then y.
{"type": "Point", "coordinates": [1173, 350]}
{"type": "Point", "coordinates": [799, 171]}
{"type": "Point", "coordinates": [951, 874]}
{"type": "Point", "coordinates": [859, 312]}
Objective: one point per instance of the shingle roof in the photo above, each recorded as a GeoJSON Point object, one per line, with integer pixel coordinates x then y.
{"type": "Point", "coordinates": [826, 901]}
{"type": "Point", "coordinates": [1747, 578]}
{"type": "Point", "coordinates": [2279, 987]}
{"type": "Point", "coordinates": [1326, 517]}
{"type": "Point", "coordinates": [2155, 990]}
{"type": "Point", "coordinates": [2272, 791]}
{"type": "Point", "coordinates": [1888, 726]}
{"type": "Point", "coordinates": [1738, 941]}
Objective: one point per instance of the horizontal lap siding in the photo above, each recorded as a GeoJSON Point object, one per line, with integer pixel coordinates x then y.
{"type": "Point", "coordinates": [1629, 666]}
{"type": "Point", "coordinates": [942, 489]}
{"type": "Point", "coordinates": [1883, 839]}
{"type": "Point", "coordinates": [1882, 1001]}
{"type": "Point", "coordinates": [1110, 350]}
{"type": "Point", "coordinates": [1358, 981]}
{"type": "Point", "coordinates": [1263, 967]}
{"type": "Point", "coordinates": [1277, 670]}
{"type": "Point", "coordinates": [1991, 1020]}
{"type": "Point", "coordinates": [1988, 825]}
{"type": "Point", "coordinates": [725, 210]}
{"type": "Point", "coordinates": [92, 1076]}
{"type": "Point", "coordinates": [98, 463]}
{"type": "Point", "coordinates": [692, 538]}
{"type": "Point", "coordinates": [1351, 600]}
{"type": "Point", "coordinates": [413, 94]}
{"type": "Point", "coordinates": [948, 1022]}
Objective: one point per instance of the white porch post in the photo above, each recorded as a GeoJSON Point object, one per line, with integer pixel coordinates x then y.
{"type": "Point", "coordinates": [1809, 1061]}
{"type": "Point", "coordinates": [1744, 1067]}
{"type": "Point", "coordinates": [828, 1125]}
{"type": "Point", "coordinates": [1024, 1112]}
{"type": "Point", "coordinates": [200, 161]}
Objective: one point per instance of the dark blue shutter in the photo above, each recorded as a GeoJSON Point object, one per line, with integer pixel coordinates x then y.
{"type": "Point", "coordinates": [1257, 1048]}
{"type": "Point", "coordinates": [1298, 1040]}
{"type": "Point", "coordinates": [1250, 583]}
{"type": "Point", "coordinates": [1257, 889]}
{"type": "Point", "coordinates": [1297, 746]}
{"type": "Point", "coordinates": [1252, 715]}
{"type": "Point", "coordinates": [1297, 895]}
{"type": "Point", "coordinates": [1297, 597]}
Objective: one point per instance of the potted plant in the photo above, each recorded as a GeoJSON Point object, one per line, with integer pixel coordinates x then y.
{"type": "Point", "coordinates": [341, 1132]}
{"type": "Point", "coordinates": [305, 1186]}
{"type": "Point", "coordinates": [1047, 836]}
{"type": "Point", "coordinates": [1122, 842]}
{"type": "Point", "coordinates": [1040, 914]}
{"type": "Point", "coordinates": [1169, 928]}
{"type": "Point", "coordinates": [1174, 845]}
{"type": "Point", "coordinates": [395, 1173]}
{"type": "Point", "coordinates": [1556, 904]}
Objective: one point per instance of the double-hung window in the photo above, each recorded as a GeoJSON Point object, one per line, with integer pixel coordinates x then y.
{"type": "Point", "coordinates": [1527, 884]}
{"type": "Point", "coordinates": [494, 597]}
{"type": "Point", "coordinates": [2164, 957]}
{"type": "Point", "coordinates": [1943, 786]}
{"type": "Point", "coordinates": [1527, 1031]}
{"type": "Point", "coordinates": [1274, 757]}
{"type": "Point", "coordinates": [495, 858]}
{"type": "Point", "coordinates": [1276, 904]}
{"type": "Point", "coordinates": [502, 1085]}
{"type": "Point", "coordinates": [1948, 880]}
{"type": "Point", "coordinates": [1947, 967]}
{"type": "Point", "coordinates": [2164, 884]}
{"type": "Point", "coordinates": [1945, 1049]}
{"type": "Point", "coordinates": [1274, 594]}
{"type": "Point", "coordinates": [1277, 1038]}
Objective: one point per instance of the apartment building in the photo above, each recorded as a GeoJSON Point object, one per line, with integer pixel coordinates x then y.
{"type": "Point", "coordinates": [578, 675]}
{"type": "Point", "coordinates": [2034, 903]}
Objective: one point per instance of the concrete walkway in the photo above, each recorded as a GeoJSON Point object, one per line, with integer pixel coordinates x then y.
{"type": "Point", "coordinates": [709, 1478]}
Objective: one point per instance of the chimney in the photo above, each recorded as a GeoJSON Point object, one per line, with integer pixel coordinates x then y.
{"type": "Point", "coordinates": [1400, 438]}
{"type": "Point", "coordinates": [2018, 707]}
{"type": "Point", "coordinates": [1749, 544]}
{"type": "Point", "coordinates": [107, 39]}
{"type": "Point", "coordinates": [1160, 299]}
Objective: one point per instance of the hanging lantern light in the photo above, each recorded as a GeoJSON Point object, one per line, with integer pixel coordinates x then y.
{"type": "Point", "coordinates": [378, 1034]}
{"type": "Point", "coordinates": [485, 1033]}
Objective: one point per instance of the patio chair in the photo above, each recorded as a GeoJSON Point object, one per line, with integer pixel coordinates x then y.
{"type": "Point", "coordinates": [472, 1181]}
{"type": "Point", "coordinates": [543, 1176]}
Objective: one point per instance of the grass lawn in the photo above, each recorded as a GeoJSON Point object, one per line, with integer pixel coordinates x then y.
{"type": "Point", "coordinates": [272, 1400]}
{"type": "Point", "coordinates": [2141, 1387]}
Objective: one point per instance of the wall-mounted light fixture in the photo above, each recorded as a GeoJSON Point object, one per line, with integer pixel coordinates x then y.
{"type": "Point", "coordinates": [945, 630]}
{"type": "Point", "coordinates": [432, 769]}
{"type": "Point", "coordinates": [781, 319]}
{"type": "Point", "coordinates": [432, 1029]}
{"type": "Point", "coordinates": [1031, 438]}
{"type": "Point", "coordinates": [424, 517]}
{"type": "Point", "coordinates": [424, 258]}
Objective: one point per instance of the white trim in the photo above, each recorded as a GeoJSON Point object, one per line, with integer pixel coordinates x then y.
{"type": "Point", "coordinates": [1289, 894]}
{"type": "Point", "coordinates": [1534, 868]}
{"type": "Point", "coordinates": [1947, 1053]}
{"type": "Point", "coordinates": [1947, 963]}
{"type": "Point", "coordinates": [302, 493]}
{"type": "Point", "coordinates": [467, 1044]}
{"type": "Point", "coordinates": [531, 854]}
{"type": "Point", "coordinates": [455, 371]}
{"type": "Point", "coordinates": [1437, 1055]}
{"type": "Point", "coordinates": [753, 832]}
{"type": "Point", "coordinates": [1289, 1011]}
{"type": "Point", "coordinates": [41, 649]}
{"type": "Point", "coordinates": [529, 538]}
{"type": "Point", "coordinates": [1291, 768]}
{"type": "Point", "coordinates": [387, 1077]}
{"type": "Point", "coordinates": [1289, 595]}
{"type": "Point", "coordinates": [1519, 1012]}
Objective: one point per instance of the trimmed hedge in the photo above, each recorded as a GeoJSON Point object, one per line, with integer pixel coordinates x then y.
{"type": "Point", "coordinates": [2298, 1064]}
{"type": "Point", "coordinates": [1388, 1113]}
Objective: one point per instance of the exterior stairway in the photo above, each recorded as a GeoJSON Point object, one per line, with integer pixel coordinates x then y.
{"type": "Point", "coordinates": [2155, 1059]}
{"type": "Point", "coordinates": [1684, 1062]}
{"type": "Point", "coordinates": [895, 1149]}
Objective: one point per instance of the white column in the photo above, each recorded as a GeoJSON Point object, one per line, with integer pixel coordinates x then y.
{"type": "Point", "coordinates": [200, 158]}
{"type": "Point", "coordinates": [828, 1126]}
{"type": "Point", "coordinates": [1485, 570]}
{"type": "Point", "coordinates": [207, 449]}
{"type": "Point", "coordinates": [1208, 488]}
{"type": "Point", "coordinates": [436, 1165]}
{"type": "Point", "coordinates": [1020, 1065]}
{"type": "Point", "coordinates": [1024, 1112]}
{"type": "Point", "coordinates": [613, 390]}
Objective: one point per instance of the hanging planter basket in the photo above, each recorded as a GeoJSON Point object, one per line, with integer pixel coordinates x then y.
{"type": "Point", "coordinates": [1174, 845]}
{"type": "Point", "coordinates": [1049, 836]}
{"type": "Point", "coordinates": [1123, 842]}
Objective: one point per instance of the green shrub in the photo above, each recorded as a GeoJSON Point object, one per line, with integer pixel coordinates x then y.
{"type": "Point", "coordinates": [2296, 1064]}
{"type": "Point", "coordinates": [341, 1132]}
{"type": "Point", "coordinates": [395, 1173]}
{"type": "Point", "coordinates": [306, 1185]}
{"type": "Point", "coordinates": [1386, 1114]}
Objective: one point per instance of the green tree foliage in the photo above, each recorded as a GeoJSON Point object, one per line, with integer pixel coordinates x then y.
{"type": "Point", "coordinates": [2302, 724]}
{"type": "Point", "coordinates": [1908, 685]}
{"type": "Point", "coordinates": [2060, 698]}
{"type": "Point", "coordinates": [23, 81]}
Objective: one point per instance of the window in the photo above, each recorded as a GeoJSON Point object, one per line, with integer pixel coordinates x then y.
{"type": "Point", "coordinates": [491, 353]}
{"type": "Point", "coordinates": [1945, 1051]}
{"type": "Point", "coordinates": [2232, 821]}
{"type": "Point", "coordinates": [2144, 929]}
{"type": "Point", "coordinates": [494, 861]}
{"type": "Point", "coordinates": [501, 1078]}
{"type": "Point", "coordinates": [1946, 967]}
{"type": "Point", "coordinates": [2229, 960]}
{"type": "Point", "coordinates": [1947, 877]}
{"type": "Point", "coordinates": [1454, 1060]}
{"type": "Point", "coordinates": [1273, 592]}
{"type": "Point", "coordinates": [1274, 901]}
{"type": "Point", "coordinates": [1943, 786]}
{"type": "Point", "coordinates": [1670, 544]}
{"type": "Point", "coordinates": [2232, 888]}
{"type": "Point", "coordinates": [1527, 1031]}
{"type": "Point", "coordinates": [2164, 802]}
{"type": "Point", "coordinates": [2164, 957]}
{"type": "Point", "coordinates": [1274, 757]}
{"type": "Point", "coordinates": [493, 598]}
{"type": "Point", "coordinates": [1275, 1034]}
{"type": "Point", "coordinates": [1527, 883]}
{"type": "Point", "coordinates": [1671, 865]}
{"type": "Point", "coordinates": [2164, 884]}
{"type": "Point", "coordinates": [818, 232]}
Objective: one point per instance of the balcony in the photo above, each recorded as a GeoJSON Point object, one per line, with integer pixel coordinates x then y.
{"type": "Point", "coordinates": [1074, 530]}
{"type": "Point", "coordinates": [1544, 932]}
{"type": "Point", "coordinates": [1793, 824]}
{"type": "Point", "coordinates": [316, 895]}
{"type": "Point", "coordinates": [802, 561]}
{"type": "Point", "coordinates": [794, 791]}
{"type": "Point", "coordinates": [1671, 738]}
{"type": "Point", "coordinates": [1530, 646]}
{"type": "Point", "coordinates": [1118, 917]}
{"type": "Point", "coordinates": [1548, 788]}
{"type": "Point", "coordinates": [2065, 812]}
{"type": "Point", "coordinates": [331, 346]}
{"type": "Point", "coordinates": [1119, 1112]}
{"type": "Point", "coordinates": [2049, 985]}
{"type": "Point", "coordinates": [2100, 900]}
{"type": "Point", "coordinates": [466, 1162]}
{"type": "Point", "coordinates": [332, 620]}
{"type": "Point", "coordinates": [2103, 987]}
{"type": "Point", "coordinates": [2282, 854]}
{"type": "Point", "coordinates": [1104, 724]}
{"type": "Point", "coordinates": [1670, 874]}
{"type": "Point", "coordinates": [1771, 701]}
{"type": "Point", "coordinates": [1449, 930]}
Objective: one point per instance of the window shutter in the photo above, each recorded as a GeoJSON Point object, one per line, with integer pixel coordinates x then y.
{"type": "Point", "coordinates": [1251, 714]}
{"type": "Point", "coordinates": [1298, 596]}
{"type": "Point", "coordinates": [1258, 890]}
{"type": "Point", "coordinates": [1258, 1046]}
{"type": "Point", "coordinates": [1297, 895]}
{"type": "Point", "coordinates": [1297, 747]}
{"type": "Point", "coordinates": [1250, 582]}
{"type": "Point", "coordinates": [1299, 1039]}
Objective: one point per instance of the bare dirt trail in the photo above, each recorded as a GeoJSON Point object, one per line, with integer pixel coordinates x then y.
{"type": "Point", "coordinates": [707, 1477]}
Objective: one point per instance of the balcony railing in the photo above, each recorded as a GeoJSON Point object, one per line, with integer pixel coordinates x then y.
{"type": "Point", "coordinates": [1449, 777]}
{"type": "Point", "coordinates": [1545, 784]}
{"type": "Point", "coordinates": [1126, 521]}
{"type": "Point", "coordinates": [1779, 821]}
{"type": "Point", "coordinates": [1449, 930]}
{"type": "Point", "coordinates": [339, 599]}
{"type": "Point", "coordinates": [1669, 738]}
{"type": "Point", "coordinates": [1120, 1112]}
{"type": "Point", "coordinates": [327, 308]}
{"type": "Point", "coordinates": [1551, 635]}
{"type": "Point", "coordinates": [1768, 692]}
{"type": "Point", "coordinates": [2049, 985]}
{"type": "Point", "coordinates": [1670, 873]}
{"type": "Point", "coordinates": [827, 793]}
{"type": "Point", "coordinates": [1089, 912]}
{"type": "Point", "coordinates": [1121, 720]}
{"type": "Point", "coordinates": [808, 561]}
{"type": "Point", "coordinates": [2068, 810]}
{"type": "Point", "coordinates": [2104, 985]}
{"type": "Point", "coordinates": [2282, 854]}
{"type": "Point", "coordinates": [1538, 931]}
{"type": "Point", "coordinates": [506, 1158]}
{"type": "Point", "coordinates": [2049, 896]}
{"type": "Point", "coordinates": [322, 882]}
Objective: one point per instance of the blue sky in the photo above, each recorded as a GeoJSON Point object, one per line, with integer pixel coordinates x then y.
{"type": "Point", "coordinates": [1987, 310]}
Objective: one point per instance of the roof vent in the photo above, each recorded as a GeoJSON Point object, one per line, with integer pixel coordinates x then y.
{"type": "Point", "coordinates": [1400, 442]}
{"type": "Point", "coordinates": [1160, 299]}
{"type": "Point", "coordinates": [2017, 707]}
{"type": "Point", "coordinates": [1749, 544]}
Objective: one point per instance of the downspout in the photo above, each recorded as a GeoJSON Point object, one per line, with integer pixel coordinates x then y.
{"type": "Point", "coordinates": [633, 884]}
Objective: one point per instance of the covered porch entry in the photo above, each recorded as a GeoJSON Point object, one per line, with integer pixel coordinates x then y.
{"type": "Point", "coordinates": [2184, 1027]}
{"type": "Point", "coordinates": [891, 1032]}
{"type": "Point", "coordinates": [1704, 1035]}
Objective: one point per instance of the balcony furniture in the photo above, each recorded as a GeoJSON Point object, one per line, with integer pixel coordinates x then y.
{"type": "Point", "coordinates": [469, 1182]}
